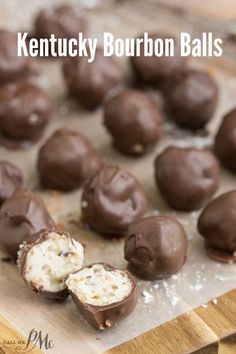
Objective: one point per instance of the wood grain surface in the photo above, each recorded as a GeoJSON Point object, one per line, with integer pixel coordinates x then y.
{"type": "Point", "coordinates": [12, 341]}
{"type": "Point", "coordinates": [209, 329]}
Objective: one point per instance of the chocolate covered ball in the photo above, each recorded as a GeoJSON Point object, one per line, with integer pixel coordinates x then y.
{"type": "Point", "coordinates": [133, 120]}
{"type": "Point", "coordinates": [25, 111]}
{"type": "Point", "coordinates": [12, 66]}
{"type": "Point", "coordinates": [186, 177]}
{"type": "Point", "coordinates": [217, 224]}
{"type": "Point", "coordinates": [156, 70]}
{"type": "Point", "coordinates": [66, 160]}
{"type": "Point", "coordinates": [111, 200]}
{"type": "Point", "coordinates": [155, 247]}
{"type": "Point", "coordinates": [103, 294]}
{"type": "Point", "coordinates": [10, 180]}
{"type": "Point", "coordinates": [89, 83]}
{"type": "Point", "coordinates": [21, 216]}
{"type": "Point", "coordinates": [192, 99]}
{"type": "Point", "coordinates": [225, 141]}
{"type": "Point", "coordinates": [64, 21]}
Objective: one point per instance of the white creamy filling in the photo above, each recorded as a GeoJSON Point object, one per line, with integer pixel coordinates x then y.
{"type": "Point", "coordinates": [49, 262]}
{"type": "Point", "coordinates": [97, 286]}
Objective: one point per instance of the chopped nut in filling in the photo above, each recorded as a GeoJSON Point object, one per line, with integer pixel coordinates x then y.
{"type": "Point", "coordinates": [49, 262]}
{"type": "Point", "coordinates": [96, 285]}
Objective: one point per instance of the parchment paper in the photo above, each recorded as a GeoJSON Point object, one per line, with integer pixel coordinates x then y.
{"type": "Point", "coordinates": [199, 281]}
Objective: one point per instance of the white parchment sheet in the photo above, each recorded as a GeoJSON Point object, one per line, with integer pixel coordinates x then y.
{"type": "Point", "coordinates": [199, 281]}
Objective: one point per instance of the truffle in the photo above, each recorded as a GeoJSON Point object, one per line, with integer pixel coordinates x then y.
{"type": "Point", "coordinates": [217, 224]}
{"type": "Point", "coordinates": [192, 99]}
{"type": "Point", "coordinates": [12, 66]}
{"type": "Point", "coordinates": [64, 21]}
{"type": "Point", "coordinates": [103, 294]}
{"type": "Point", "coordinates": [111, 200]}
{"type": "Point", "coordinates": [89, 83]}
{"type": "Point", "coordinates": [45, 262]}
{"type": "Point", "coordinates": [21, 216]}
{"type": "Point", "coordinates": [225, 141]}
{"type": "Point", "coordinates": [25, 110]}
{"type": "Point", "coordinates": [186, 177]}
{"type": "Point", "coordinates": [155, 247]}
{"type": "Point", "coordinates": [10, 180]}
{"type": "Point", "coordinates": [66, 160]}
{"type": "Point", "coordinates": [155, 70]}
{"type": "Point", "coordinates": [133, 120]}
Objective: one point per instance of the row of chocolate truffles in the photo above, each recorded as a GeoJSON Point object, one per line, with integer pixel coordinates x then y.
{"type": "Point", "coordinates": [67, 159]}
{"type": "Point", "coordinates": [112, 200]}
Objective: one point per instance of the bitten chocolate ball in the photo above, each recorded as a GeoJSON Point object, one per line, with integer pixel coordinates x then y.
{"type": "Point", "coordinates": [10, 180]}
{"type": "Point", "coordinates": [192, 100]}
{"type": "Point", "coordinates": [63, 21]}
{"type": "Point", "coordinates": [155, 247]}
{"type": "Point", "coordinates": [21, 216]}
{"type": "Point", "coordinates": [217, 224]}
{"type": "Point", "coordinates": [103, 294]}
{"type": "Point", "coordinates": [66, 160]}
{"type": "Point", "coordinates": [48, 260]}
{"type": "Point", "coordinates": [25, 110]}
{"type": "Point", "coordinates": [225, 141]}
{"type": "Point", "coordinates": [133, 120]}
{"type": "Point", "coordinates": [12, 66]}
{"type": "Point", "coordinates": [111, 200]}
{"type": "Point", "coordinates": [186, 177]}
{"type": "Point", "coordinates": [155, 70]}
{"type": "Point", "coordinates": [89, 83]}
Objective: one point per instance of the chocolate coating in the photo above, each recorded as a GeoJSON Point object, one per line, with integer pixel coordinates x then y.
{"type": "Point", "coordinates": [155, 70]}
{"type": "Point", "coordinates": [186, 177]}
{"type": "Point", "coordinates": [192, 100]}
{"type": "Point", "coordinates": [25, 247]}
{"type": "Point", "coordinates": [111, 200]}
{"type": "Point", "coordinates": [133, 120]}
{"type": "Point", "coordinates": [25, 110]}
{"type": "Point", "coordinates": [21, 216]}
{"type": "Point", "coordinates": [155, 247]}
{"type": "Point", "coordinates": [217, 224]}
{"type": "Point", "coordinates": [66, 160]}
{"type": "Point", "coordinates": [225, 141]}
{"type": "Point", "coordinates": [10, 180]}
{"type": "Point", "coordinates": [89, 83]}
{"type": "Point", "coordinates": [12, 66]}
{"type": "Point", "coordinates": [101, 317]}
{"type": "Point", "coordinates": [63, 21]}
